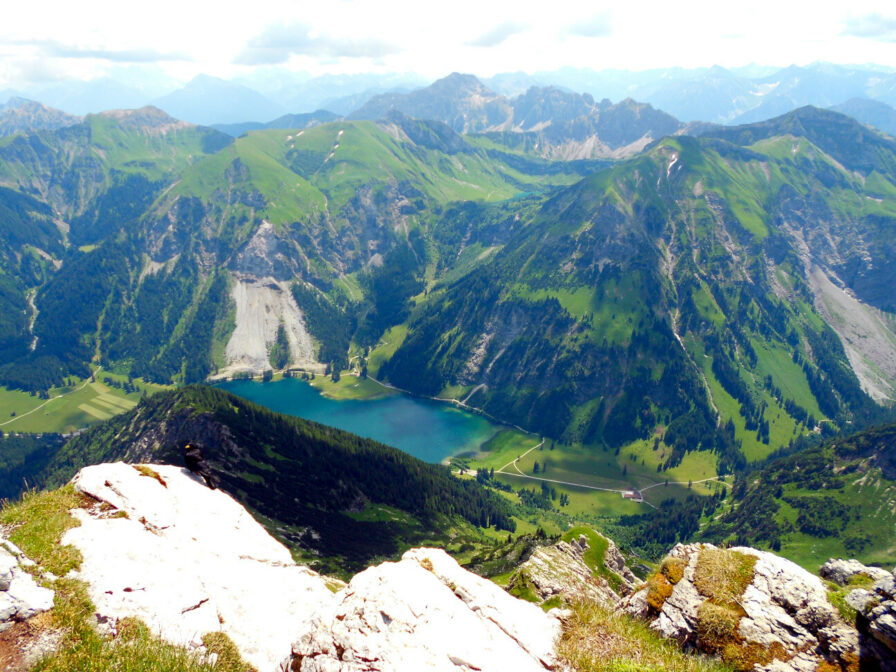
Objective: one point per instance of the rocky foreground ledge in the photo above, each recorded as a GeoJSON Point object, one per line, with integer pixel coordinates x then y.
{"type": "Point", "coordinates": [762, 612]}
{"type": "Point", "coordinates": [187, 560]}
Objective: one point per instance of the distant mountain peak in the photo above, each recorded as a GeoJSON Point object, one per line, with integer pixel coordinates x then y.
{"type": "Point", "coordinates": [21, 114]}
{"type": "Point", "coordinates": [148, 116]}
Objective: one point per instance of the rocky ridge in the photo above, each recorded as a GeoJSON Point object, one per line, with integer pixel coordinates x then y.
{"type": "Point", "coordinates": [158, 545]}
{"type": "Point", "coordinates": [559, 572]}
{"type": "Point", "coordinates": [875, 605]}
{"type": "Point", "coordinates": [755, 609]}
{"type": "Point", "coordinates": [186, 560]}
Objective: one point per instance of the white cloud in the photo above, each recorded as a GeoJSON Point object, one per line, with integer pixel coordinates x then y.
{"type": "Point", "coordinates": [342, 36]}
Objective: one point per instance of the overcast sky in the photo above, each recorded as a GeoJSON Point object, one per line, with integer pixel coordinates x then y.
{"type": "Point", "coordinates": [43, 41]}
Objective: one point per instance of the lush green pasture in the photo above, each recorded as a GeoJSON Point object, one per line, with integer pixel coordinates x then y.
{"type": "Point", "coordinates": [69, 408]}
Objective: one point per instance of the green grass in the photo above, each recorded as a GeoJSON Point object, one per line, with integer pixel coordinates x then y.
{"type": "Point", "coordinates": [597, 639]}
{"type": "Point", "coordinates": [37, 523]}
{"type": "Point", "coordinates": [872, 501]}
{"type": "Point", "coordinates": [350, 387]}
{"type": "Point", "coordinates": [68, 409]}
{"type": "Point", "coordinates": [389, 343]}
{"type": "Point", "coordinates": [502, 448]}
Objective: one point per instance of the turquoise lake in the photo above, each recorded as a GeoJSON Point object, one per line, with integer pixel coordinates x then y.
{"type": "Point", "coordinates": [429, 430]}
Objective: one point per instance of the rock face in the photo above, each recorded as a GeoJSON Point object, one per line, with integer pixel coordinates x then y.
{"type": "Point", "coordinates": [187, 560]}
{"type": "Point", "coordinates": [876, 607]}
{"type": "Point", "coordinates": [426, 612]}
{"type": "Point", "coordinates": [783, 619]}
{"type": "Point", "coordinates": [20, 597]}
{"type": "Point", "coordinates": [560, 571]}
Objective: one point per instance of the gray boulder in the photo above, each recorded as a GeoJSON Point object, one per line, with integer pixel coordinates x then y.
{"type": "Point", "coordinates": [20, 596]}
{"type": "Point", "coordinates": [781, 619]}
{"type": "Point", "coordinates": [842, 571]}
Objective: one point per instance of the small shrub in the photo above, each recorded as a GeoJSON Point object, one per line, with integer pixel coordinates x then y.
{"type": "Point", "coordinates": [658, 591]}
{"type": "Point", "coordinates": [673, 569]}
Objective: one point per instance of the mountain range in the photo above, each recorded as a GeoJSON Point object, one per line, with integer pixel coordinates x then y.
{"type": "Point", "coordinates": [715, 94]}
{"type": "Point", "coordinates": [725, 292]}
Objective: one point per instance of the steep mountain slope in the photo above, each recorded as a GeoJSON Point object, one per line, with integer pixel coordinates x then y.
{"type": "Point", "coordinates": [547, 122]}
{"type": "Point", "coordinates": [833, 500]}
{"type": "Point", "coordinates": [688, 294]}
{"type": "Point", "coordinates": [310, 483]}
{"type": "Point", "coordinates": [84, 171]}
{"type": "Point", "coordinates": [30, 246]}
{"type": "Point", "coordinates": [191, 261]}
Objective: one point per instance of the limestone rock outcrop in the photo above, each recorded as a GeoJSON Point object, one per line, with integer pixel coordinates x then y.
{"type": "Point", "coordinates": [20, 596]}
{"type": "Point", "coordinates": [160, 546]}
{"type": "Point", "coordinates": [187, 560]}
{"type": "Point", "coordinates": [426, 612]}
{"type": "Point", "coordinates": [842, 571]}
{"type": "Point", "coordinates": [780, 620]}
{"type": "Point", "coordinates": [876, 606]}
{"type": "Point", "coordinates": [560, 571]}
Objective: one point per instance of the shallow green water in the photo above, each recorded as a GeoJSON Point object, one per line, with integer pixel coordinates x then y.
{"type": "Point", "coordinates": [426, 429]}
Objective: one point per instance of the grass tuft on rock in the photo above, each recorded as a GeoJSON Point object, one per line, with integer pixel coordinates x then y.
{"type": "Point", "coordinates": [673, 569]}
{"type": "Point", "coordinates": [658, 591]}
{"type": "Point", "coordinates": [722, 576]}
{"type": "Point", "coordinates": [597, 639]}
{"type": "Point", "coordinates": [716, 626]}
{"type": "Point", "coordinates": [229, 658]}
{"type": "Point", "coordinates": [149, 472]}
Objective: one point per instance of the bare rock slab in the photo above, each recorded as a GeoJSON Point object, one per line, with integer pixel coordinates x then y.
{"type": "Point", "coordinates": [427, 613]}
{"type": "Point", "coordinates": [187, 561]}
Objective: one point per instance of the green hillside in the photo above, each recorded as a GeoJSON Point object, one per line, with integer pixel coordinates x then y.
{"type": "Point", "coordinates": [667, 299]}
{"type": "Point", "coordinates": [828, 501]}
{"type": "Point", "coordinates": [334, 497]}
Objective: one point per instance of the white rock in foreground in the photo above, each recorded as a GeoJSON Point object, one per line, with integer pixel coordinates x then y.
{"type": "Point", "coordinates": [20, 597]}
{"type": "Point", "coordinates": [188, 560]}
{"type": "Point", "coordinates": [427, 613]}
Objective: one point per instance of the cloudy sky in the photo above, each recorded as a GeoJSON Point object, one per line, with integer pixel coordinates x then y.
{"type": "Point", "coordinates": [43, 41]}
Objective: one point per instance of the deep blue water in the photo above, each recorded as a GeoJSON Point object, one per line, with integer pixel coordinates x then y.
{"type": "Point", "coordinates": [430, 430]}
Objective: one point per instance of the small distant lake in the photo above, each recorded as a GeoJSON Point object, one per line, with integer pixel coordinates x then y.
{"type": "Point", "coordinates": [429, 430]}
